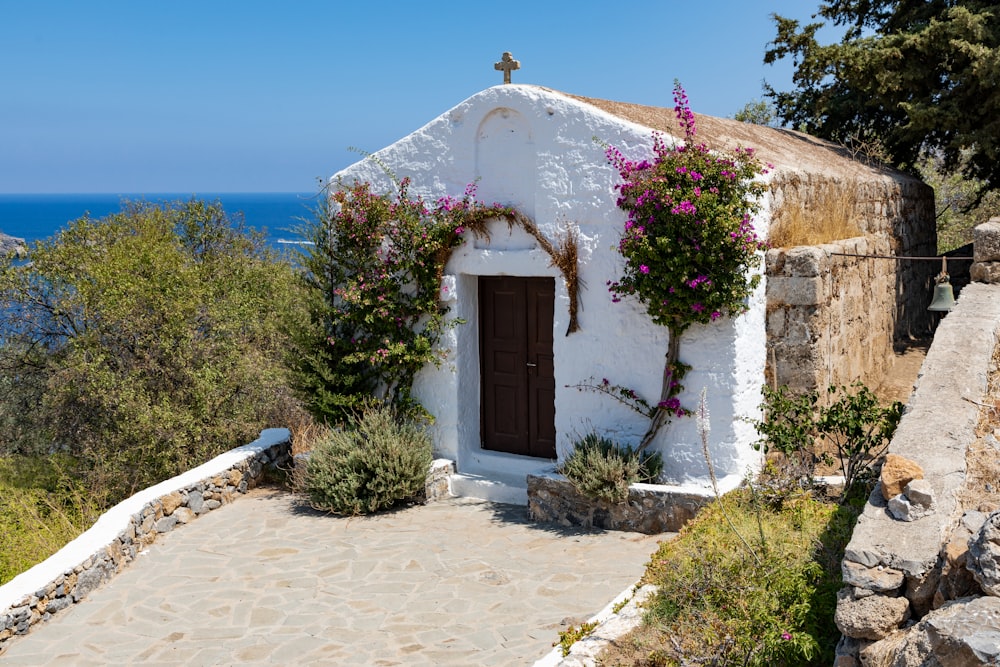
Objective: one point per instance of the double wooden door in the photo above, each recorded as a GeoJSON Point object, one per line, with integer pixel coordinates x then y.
{"type": "Point", "coordinates": [516, 363]}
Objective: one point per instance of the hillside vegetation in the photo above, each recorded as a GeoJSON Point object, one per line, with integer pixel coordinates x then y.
{"type": "Point", "coordinates": [132, 348]}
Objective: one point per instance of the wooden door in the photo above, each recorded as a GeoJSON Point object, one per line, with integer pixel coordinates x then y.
{"type": "Point", "coordinates": [516, 363]}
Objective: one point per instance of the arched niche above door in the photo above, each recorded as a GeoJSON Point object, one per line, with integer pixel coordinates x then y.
{"type": "Point", "coordinates": [506, 161]}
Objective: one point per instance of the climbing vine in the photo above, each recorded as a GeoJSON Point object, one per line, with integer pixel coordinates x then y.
{"type": "Point", "coordinates": [688, 241]}
{"type": "Point", "coordinates": [374, 268]}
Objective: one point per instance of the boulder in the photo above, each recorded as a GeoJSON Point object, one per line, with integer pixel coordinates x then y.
{"type": "Point", "coordinates": [196, 501]}
{"type": "Point", "coordinates": [171, 502]}
{"type": "Point", "coordinates": [184, 514]}
{"type": "Point", "coordinates": [983, 559]}
{"type": "Point", "coordinates": [12, 245]}
{"type": "Point", "coordinates": [956, 581]}
{"type": "Point", "coordinates": [879, 579]}
{"type": "Point", "coordinates": [985, 272]}
{"type": "Point", "coordinates": [897, 472]}
{"type": "Point", "coordinates": [916, 501]}
{"type": "Point", "coordinates": [986, 241]}
{"type": "Point", "coordinates": [921, 589]}
{"type": "Point", "coordinates": [962, 633]}
{"type": "Point", "coordinates": [862, 615]}
{"type": "Point", "coordinates": [847, 652]}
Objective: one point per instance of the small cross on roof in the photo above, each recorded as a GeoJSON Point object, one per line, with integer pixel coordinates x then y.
{"type": "Point", "coordinates": [507, 64]}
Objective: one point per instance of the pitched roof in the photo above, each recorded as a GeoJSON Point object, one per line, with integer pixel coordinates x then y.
{"type": "Point", "coordinates": [788, 150]}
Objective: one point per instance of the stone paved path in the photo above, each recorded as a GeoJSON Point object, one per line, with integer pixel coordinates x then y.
{"type": "Point", "coordinates": [266, 580]}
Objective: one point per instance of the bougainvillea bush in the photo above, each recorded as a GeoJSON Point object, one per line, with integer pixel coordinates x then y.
{"type": "Point", "coordinates": [374, 273]}
{"type": "Point", "coordinates": [689, 243]}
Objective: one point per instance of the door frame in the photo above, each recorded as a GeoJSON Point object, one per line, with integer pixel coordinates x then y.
{"type": "Point", "coordinates": [526, 374]}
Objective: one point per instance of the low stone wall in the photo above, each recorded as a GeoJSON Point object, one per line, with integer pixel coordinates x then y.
{"type": "Point", "coordinates": [650, 509]}
{"type": "Point", "coordinates": [830, 318]}
{"type": "Point", "coordinates": [900, 571]}
{"type": "Point", "coordinates": [122, 532]}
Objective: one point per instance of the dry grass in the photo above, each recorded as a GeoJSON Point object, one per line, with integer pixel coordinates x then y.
{"type": "Point", "coordinates": [982, 459]}
{"type": "Point", "coordinates": [830, 213]}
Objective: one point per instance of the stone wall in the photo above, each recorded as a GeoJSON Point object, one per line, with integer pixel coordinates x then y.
{"type": "Point", "coordinates": [834, 319]}
{"type": "Point", "coordinates": [986, 252]}
{"type": "Point", "coordinates": [830, 319]}
{"type": "Point", "coordinates": [909, 556]}
{"type": "Point", "coordinates": [650, 509]}
{"type": "Point", "coordinates": [120, 534]}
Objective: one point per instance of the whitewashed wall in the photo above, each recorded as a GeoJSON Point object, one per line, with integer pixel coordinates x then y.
{"type": "Point", "coordinates": [538, 150]}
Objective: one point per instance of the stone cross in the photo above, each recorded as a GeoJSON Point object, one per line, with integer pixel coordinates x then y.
{"type": "Point", "coordinates": [507, 64]}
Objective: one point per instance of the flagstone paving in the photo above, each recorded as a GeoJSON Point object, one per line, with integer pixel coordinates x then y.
{"type": "Point", "coordinates": [266, 580]}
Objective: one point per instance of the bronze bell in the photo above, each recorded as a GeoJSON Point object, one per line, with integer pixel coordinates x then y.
{"type": "Point", "coordinates": [944, 296]}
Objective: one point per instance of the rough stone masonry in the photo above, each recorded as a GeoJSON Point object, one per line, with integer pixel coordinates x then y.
{"type": "Point", "coordinates": [923, 587]}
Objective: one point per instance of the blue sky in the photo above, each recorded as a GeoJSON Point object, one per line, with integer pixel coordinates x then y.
{"type": "Point", "coordinates": [221, 96]}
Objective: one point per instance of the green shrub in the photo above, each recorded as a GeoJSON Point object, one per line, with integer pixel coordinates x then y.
{"type": "Point", "coordinates": [143, 343]}
{"type": "Point", "coordinates": [854, 425]}
{"type": "Point", "coordinates": [375, 462]}
{"type": "Point", "coordinates": [373, 274]}
{"type": "Point", "coordinates": [768, 602]}
{"type": "Point", "coordinates": [600, 468]}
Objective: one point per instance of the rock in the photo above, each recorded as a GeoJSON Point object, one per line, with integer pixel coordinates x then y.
{"type": "Point", "coordinates": [966, 632]}
{"type": "Point", "coordinates": [900, 649]}
{"type": "Point", "coordinates": [956, 581]}
{"type": "Point", "coordinates": [962, 633]}
{"type": "Point", "coordinates": [897, 472]}
{"type": "Point", "coordinates": [916, 501]}
{"type": "Point", "coordinates": [973, 520]}
{"type": "Point", "coordinates": [919, 492]}
{"type": "Point", "coordinates": [166, 524]}
{"type": "Point", "coordinates": [861, 555]}
{"type": "Point", "coordinates": [983, 559]}
{"type": "Point", "coordinates": [184, 514]}
{"type": "Point", "coordinates": [57, 604]}
{"type": "Point", "coordinates": [171, 502]}
{"type": "Point", "coordinates": [235, 477]}
{"type": "Point", "coordinates": [985, 272]}
{"type": "Point", "coordinates": [196, 502]}
{"type": "Point", "coordinates": [847, 653]}
{"type": "Point", "coordinates": [878, 579]}
{"type": "Point", "coordinates": [986, 241]}
{"type": "Point", "coordinates": [12, 245]}
{"type": "Point", "coordinates": [902, 509]}
{"type": "Point", "coordinates": [87, 582]}
{"type": "Point", "coordinates": [871, 617]}
{"type": "Point", "coordinates": [920, 591]}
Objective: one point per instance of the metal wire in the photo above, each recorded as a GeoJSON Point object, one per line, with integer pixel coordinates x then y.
{"type": "Point", "coordinates": [897, 257]}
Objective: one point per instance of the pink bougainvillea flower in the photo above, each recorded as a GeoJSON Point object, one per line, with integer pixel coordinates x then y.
{"type": "Point", "coordinates": [643, 269]}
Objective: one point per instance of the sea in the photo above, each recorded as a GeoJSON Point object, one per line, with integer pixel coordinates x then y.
{"type": "Point", "coordinates": [278, 215]}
